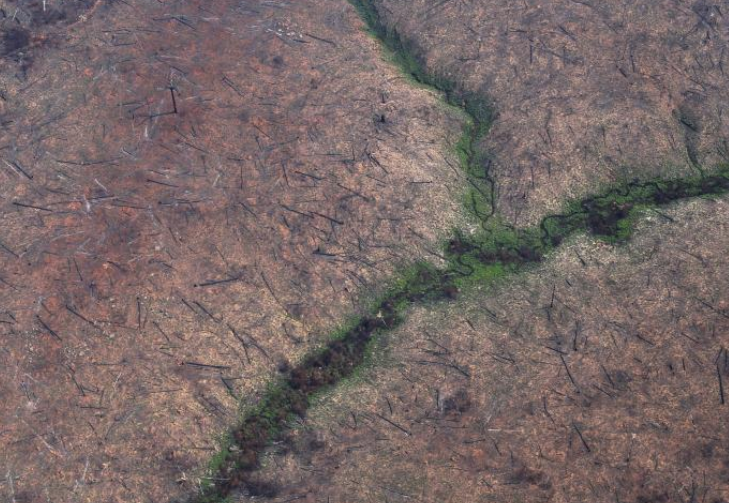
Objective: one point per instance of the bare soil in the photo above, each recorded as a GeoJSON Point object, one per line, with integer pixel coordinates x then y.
{"type": "Point", "coordinates": [598, 377]}
{"type": "Point", "coordinates": [192, 195]}
{"type": "Point", "coordinates": [585, 92]}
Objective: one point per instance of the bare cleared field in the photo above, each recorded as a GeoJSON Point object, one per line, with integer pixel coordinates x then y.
{"type": "Point", "coordinates": [192, 194]}
{"type": "Point", "coordinates": [196, 196]}
{"type": "Point", "coordinates": [599, 377]}
{"type": "Point", "coordinates": [585, 92]}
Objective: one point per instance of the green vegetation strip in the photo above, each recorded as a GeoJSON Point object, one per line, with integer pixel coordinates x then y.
{"type": "Point", "coordinates": [480, 258]}
{"type": "Point", "coordinates": [404, 54]}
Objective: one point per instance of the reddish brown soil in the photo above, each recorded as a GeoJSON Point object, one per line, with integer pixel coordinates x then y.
{"type": "Point", "coordinates": [194, 193]}
{"type": "Point", "coordinates": [191, 195]}
{"type": "Point", "coordinates": [586, 92]}
{"type": "Point", "coordinates": [599, 377]}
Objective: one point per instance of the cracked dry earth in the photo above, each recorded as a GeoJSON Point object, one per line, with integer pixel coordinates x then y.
{"type": "Point", "coordinates": [193, 194]}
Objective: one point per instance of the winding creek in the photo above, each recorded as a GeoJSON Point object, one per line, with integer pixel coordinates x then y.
{"type": "Point", "coordinates": [493, 252]}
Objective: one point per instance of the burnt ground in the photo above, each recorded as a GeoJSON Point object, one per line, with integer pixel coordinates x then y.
{"type": "Point", "coordinates": [192, 194]}
{"type": "Point", "coordinates": [600, 376]}
{"type": "Point", "coordinates": [585, 92]}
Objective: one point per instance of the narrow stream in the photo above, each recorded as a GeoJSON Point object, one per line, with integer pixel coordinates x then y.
{"type": "Point", "coordinates": [496, 250]}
